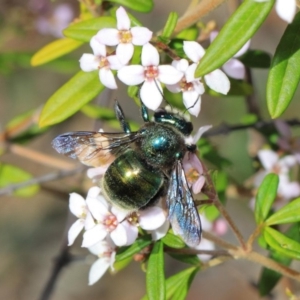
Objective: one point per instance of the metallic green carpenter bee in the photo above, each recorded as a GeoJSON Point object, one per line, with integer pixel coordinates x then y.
{"type": "Point", "coordinates": [145, 166]}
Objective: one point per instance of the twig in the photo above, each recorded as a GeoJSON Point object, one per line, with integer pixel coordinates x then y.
{"type": "Point", "coordinates": [200, 251]}
{"type": "Point", "coordinates": [44, 178]}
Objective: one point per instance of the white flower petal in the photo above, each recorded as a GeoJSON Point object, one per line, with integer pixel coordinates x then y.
{"type": "Point", "coordinates": [108, 36]}
{"type": "Point", "coordinates": [168, 74]}
{"type": "Point", "coordinates": [131, 232]}
{"type": "Point", "coordinates": [140, 35]}
{"type": "Point", "coordinates": [98, 48]}
{"type": "Point", "coordinates": [198, 185]}
{"type": "Point", "coordinates": [123, 21]}
{"type": "Point", "coordinates": [89, 221]}
{"type": "Point", "coordinates": [234, 68]}
{"type": "Point", "coordinates": [77, 205]}
{"type": "Point", "coordinates": [96, 172]}
{"type": "Point", "coordinates": [132, 75]}
{"type": "Point", "coordinates": [98, 268]}
{"type": "Point", "coordinates": [97, 208]}
{"type": "Point", "coordinates": [198, 86]}
{"type": "Point", "coordinates": [288, 161]}
{"type": "Point", "coordinates": [151, 218]}
{"type": "Point", "coordinates": [174, 88]}
{"type": "Point", "coordinates": [289, 190]}
{"type": "Point", "coordinates": [218, 81]}
{"type": "Point", "coordinates": [74, 231]}
{"type": "Point", "coordinates": [93, 192]}
{"type": "Point", "coordinates": [161, 231]}
{"type": "Point", "coordinates": [200, 132]}
{"type": "Point", "coordinates": [268, 158]}
{"type": "Point", "coordinates": [114, 62]}
{"type": "Point", "coordinates": [213, 35]}
{"type": "Point", "coordinates": [150, 56]}
{"type": "Point", "coordinates": [89, 62]}
{"type": "Point", "coordinates": [119, 213]}
{"type": "Point", "coordinates": [193, 50]}
{"type": "Point", "coordinates": [107, 78]}
{"type": "Point", "coordinates": [192, 101]}
{"type": "Point", "coordinates": [205, 245]}
{"type": "Point", "coordinates": [286, 9]}
{"type": "Point", "coordinates": [206, 224]}
{"type": "Point", "coordinates": [124, 52]}
{"type": "Point", "coordinates": [119, 235]}
{"type": "Point", "coordinates": [181, 65]}
{"type": "Point", "coordinates": [150, 94]}
{"type": "Point", "coordinates": [100, 248]}
{"type": "Point", "coordinates": [93, 236]}
{"type": "Point", "coordinates": [190, 73]}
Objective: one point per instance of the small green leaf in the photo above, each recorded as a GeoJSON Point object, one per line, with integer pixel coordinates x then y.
{"type": "Point", "coordinates": [10, 174]}
{"type": "Point", "coordinates": [290, 213]}
{"type": "Point", "coordinates": [265, 197]}
{"type": "Point", "coordinates": [155, 276]}
{"type": "Point", "coordinates": [71, 97]}
{"type": "Point", "coordinates": [121, 264]}
{"type": "Point", "coordinates": [284, 74]}
{"type": "Point", "coordinates": [173, 241]}
{"type": "Point", "coordinates": [54, 50]}
{"type": "Point", "coordinates": [170, 25]}
{"type": "Point", "coordinates": [178, 285]}
{"type": "Point", "coordinates": [85, 30]}
{"type": "Point", "coordinates": [281, 243]}
{"type": "Point", "coordinates": [137, 5]}
{"type": "Point", "coordinates": [188, 34]}
{"type": "Point", "coordinates": [137, 246]}
{"type": "Point", "coordinates": [233, 36]}
{"type": "Point", "coordinates": [186, 258]}
{"type": "Point", "coordinates": [256, 59]}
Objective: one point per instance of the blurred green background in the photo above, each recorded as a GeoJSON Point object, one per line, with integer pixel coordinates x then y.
{"type": "Point", "coordinates": [32, 228]}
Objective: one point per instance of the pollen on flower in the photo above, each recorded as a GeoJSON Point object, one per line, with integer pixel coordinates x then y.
{"type": "Point", "coordinates": [192, 175]}
{"type": "Point", "coordinates": [133, 219]}
{"type": "Point", "coordinates": [151, 72]}
{"type": "Point", "coordinates": [103, 62]}
{"type": "Point", "coordinates": [110, 222]}
{"type": "Point", "coordinates": [186, 86]}
{"type": "Point", "coordinates": [125, 36]}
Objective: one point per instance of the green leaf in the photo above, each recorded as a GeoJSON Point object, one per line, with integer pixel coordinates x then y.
{"type": "Point", "coordinates": [173, 241]}
{"type": "Point", "coordinates": [54, 50]}
{"type": "Point", "coordinates": [71, 97]}
{"type": "Point", "coordinates": [170, 25]}
{"type": "Point", "coordinates": [190, 259]}
{"type": "Point", "coordinates": [188, 34]}
{"type": "Point", "coordinates": [155, 276]}
{"type": "Point", "coordinates": [85, 30]}
{"type": "Point", "coordinates": [265, 197]}
{"type": "Point", "coordinates": [281, 243]}
{"type": "Point", "coordinates": [269, 278]}
{"type": "Point", "coordinates": [121, 264]}
{"type": "Point", "coordinates": [137, 246]}
{"type": "Point", "coordinates": [178, 285]}
{"type": "Point", "coordinates": [284, 74]}
{"type": "Point", "coordinates": [256, 59]}
{"type": "Point", "coordinates": [233, 36]}
{"type": "Point", "coordinates": [137, 5]}
{"type": "Point", "coordinates": [10, 174]}
{"type": "Point", "coordinates": [290, 213]}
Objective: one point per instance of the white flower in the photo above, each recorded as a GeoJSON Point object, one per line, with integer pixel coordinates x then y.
{"type": "Point", "coordinates": [99, 61]}
{"type": "Point", "coordinates": [233, 67]}
{"type": "Point", "coordinates": [106, 252]}
{"type": "Point", "coordinates": [280, 166]}
{"type": "Point", "coordinates": [216, 80]}
{"type": "Point", "coordinates": [286, 9]}
{"type": "Point", "coordinates": [110, 221]}
{"type": "Point", "coordinates": [79, 208]}
{"type": "Point", "coordinates": [125, 37]}
{"type": "Point", "coordinates": [151, 74]}
{"type": "Point", "coordinates": [191, 91]}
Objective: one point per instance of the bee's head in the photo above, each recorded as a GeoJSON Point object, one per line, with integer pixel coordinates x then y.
{"type": "Point", "coordinates": [173, 118]}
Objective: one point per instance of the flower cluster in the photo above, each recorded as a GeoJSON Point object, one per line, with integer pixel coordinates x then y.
{"type": "Point", "coordinates": [177, 77]}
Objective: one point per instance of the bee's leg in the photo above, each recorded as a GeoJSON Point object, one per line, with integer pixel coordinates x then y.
{"type": "Point", "coordinates": [121, 117]}
{"type": "Point", "coordinates": [144, 111]}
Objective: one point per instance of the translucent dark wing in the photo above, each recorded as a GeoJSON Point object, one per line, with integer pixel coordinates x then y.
{"type": "Point", "coordinates": [183, 213]}
{"type": "Point", "coordinates": [93, 148]}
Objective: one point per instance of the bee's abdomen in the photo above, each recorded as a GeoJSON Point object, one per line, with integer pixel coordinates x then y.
{"type": "Point", "coordinates": [130, 183]}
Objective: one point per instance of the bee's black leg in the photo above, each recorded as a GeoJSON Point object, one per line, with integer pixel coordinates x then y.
{"type": "Point", "coordinates": [144, 111]}
{"type": "Point", "coordinates": [121, 117]}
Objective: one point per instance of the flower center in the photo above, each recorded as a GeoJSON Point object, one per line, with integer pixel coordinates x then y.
{"type": "Point", "coordinates": [276, 169]}
{"type": "Point", "coordinates": [103, 62]}
{"type": "Point", "coordinates": [151, 72]}
{"type": "Point", "coordinates": [192, 175]}
{"type": "Point", "coordinates": [133, 219]}
{"type": "Point", "coordinates": [110, 222]}
{"type": "Point", "coordinates": [125, 36]}
{"type": "Point", "coordinates": [185, 86]}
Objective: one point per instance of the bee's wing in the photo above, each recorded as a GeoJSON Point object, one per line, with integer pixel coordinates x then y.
{"type": "Point", "coordinates": [93, 148]}
{"type": "Point", "coordinates": [183, 213]}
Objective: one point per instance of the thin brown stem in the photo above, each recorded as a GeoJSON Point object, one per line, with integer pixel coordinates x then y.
{"type": "Point", "coordinates": [193, 15]}
{"type": "Point", "coordinates": [216, 240]}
